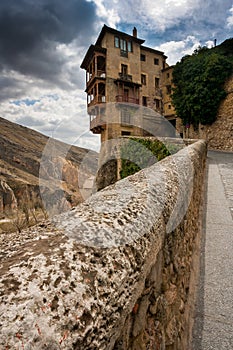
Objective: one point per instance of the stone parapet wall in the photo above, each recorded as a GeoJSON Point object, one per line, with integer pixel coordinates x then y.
{"type": "Point", "coordinates": [116, 272]}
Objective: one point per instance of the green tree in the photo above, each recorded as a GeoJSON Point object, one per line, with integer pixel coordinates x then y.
{"type": "Point", "coordinates": [199, 83]}
{"type": "Point", "coordinates": [137, 154]}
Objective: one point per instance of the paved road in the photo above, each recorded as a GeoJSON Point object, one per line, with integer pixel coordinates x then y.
{"type": "Point", "coordinates": [214, 310]}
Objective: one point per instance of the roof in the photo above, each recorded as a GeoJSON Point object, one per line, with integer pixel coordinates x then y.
{"type": "Point", "coordinates": [97, 47]}
{"type": "Point", "coordinates": [168, 68]}
{"type": "Point", "coordinates": [107, 29]}
{"type": "Point", "coordinates": [89, 55]}
{"type": "Point", "coordinates": [157, 52]}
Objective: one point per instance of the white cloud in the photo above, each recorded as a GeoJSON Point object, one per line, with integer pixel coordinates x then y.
{"type": "Point", "coordinates": [167, 13]}
{"type": "Point", "coordinates": [230, 18]}
{"type": "Point", "coordinates": [57, 114]}
{"type": "Point", "coordinates": [209, 44]}
{"type": "Point", "coordinates": [108, 14]}
{"type": "Point", "coordinates": [157, 15]}
{"type": "Point", "coordinates": [175, 50]}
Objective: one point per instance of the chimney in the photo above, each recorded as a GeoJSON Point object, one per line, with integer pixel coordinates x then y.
{"type": "Point", "coordinates": [135, 32]}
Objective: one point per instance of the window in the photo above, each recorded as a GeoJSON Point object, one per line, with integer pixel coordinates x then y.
{"type": "Point", "coordinates": [125, 117]}
{"type": "Point", "coordinates": [157, 103]}
{"type": "Point", "coordinates": [125, 133]}
{"type": "Point", "coordinates": [169, 89]}
{"type": "Point", "coordinates": [130, 46]}
{"type": "Point", "coordinates": [124, 69]}
{"type": "Point", "coordinates": [169, 106]}
{"type": "Point", "coordinates": [143, 57]}
{"type": "Point", "coordinates": [117, 41]}
{"type": "Point", "coordinates": [156, 82]}
{"type": "Point", "coordinates": [168, 75]}
{"type": "Point", "coordinates": [156, 61]}
{"type": "Point", "coordinates": [124, 45]}
{"type": "Point", "coordinates": [143, 79]}
{"type": "Point", "coordinates": [144, 101]}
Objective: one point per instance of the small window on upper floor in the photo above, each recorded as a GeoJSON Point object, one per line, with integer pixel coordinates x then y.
{"type": "Point", "coordinates": [125, 45]}
{"type": "Point", "coordinates": [168, 75]}
{"type": "Point", "coordinates": [130, 46]}
{"type": "Point", "coordinates": [116, 41]}
{"type": "Point", "coordinates": [156, 61]}
{"type": "Point", "coordinates": [143, 79]}
{"type": "Point", "coordinates": [143, 57]}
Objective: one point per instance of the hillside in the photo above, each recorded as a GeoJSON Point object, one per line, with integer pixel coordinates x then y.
{"type": "Point", "coordinates": [225, 49]}
{"type": "Point", "coordinates": [199, 83]}
{"type": "Point", "coordinates": [21, 151]}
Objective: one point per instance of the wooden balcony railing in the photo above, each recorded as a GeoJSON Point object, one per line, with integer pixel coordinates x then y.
{"type": "Point", "coordinates": [122, 98]}
{"type": "Point", "coordinates": [126, 77]}
{"type": "Point", "coordinates": [97, 123]}
{"type": "Point", "coordinates": [97, 74]}
{"type": "Point", "coordinates": [97, 99]}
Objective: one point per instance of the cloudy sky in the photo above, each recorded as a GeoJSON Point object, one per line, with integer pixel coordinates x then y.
{"type": "Point", "coordinates": [43, 42]}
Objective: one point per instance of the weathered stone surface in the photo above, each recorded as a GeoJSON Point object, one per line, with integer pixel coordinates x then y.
{"type": "Point", "coordinates": [23, 177]}
{"type": "Point", "coordinates": [8, 201]}
{"type": "Point", "coordinates": [107, 274]}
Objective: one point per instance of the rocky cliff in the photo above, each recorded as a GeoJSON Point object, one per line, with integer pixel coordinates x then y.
{"type": "Point", "coordinates": [21, 152]}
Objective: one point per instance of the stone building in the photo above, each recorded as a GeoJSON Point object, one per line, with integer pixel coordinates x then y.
{"type": "Point", "coordinates": [120, 69]}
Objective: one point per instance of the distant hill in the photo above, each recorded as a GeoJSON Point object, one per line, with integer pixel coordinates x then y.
{"type": "Point", "coordinates": [21, 151]}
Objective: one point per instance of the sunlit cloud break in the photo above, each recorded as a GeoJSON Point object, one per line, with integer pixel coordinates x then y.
{"type": "Point", "coordinates": [230, 18]}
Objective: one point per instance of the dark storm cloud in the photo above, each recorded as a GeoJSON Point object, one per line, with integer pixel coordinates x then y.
{"type": "Point", "coordinates": [31, 29]}
{"type": "Point", "coordinates": [10, 87]}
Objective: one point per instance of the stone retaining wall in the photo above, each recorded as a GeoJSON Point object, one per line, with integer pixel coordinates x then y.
{"type": "Point", "coordinates": [116, 272]}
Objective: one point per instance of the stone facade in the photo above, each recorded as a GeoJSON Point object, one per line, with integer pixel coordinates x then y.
{"type": "Point", "coordinates": [140, 75]}
{"type": "Point", "coordinates": [168, 108]}
{"type": "Point", "coordinates": [119, 69]}
{"type": "Point", "coordinates": [116, 272]}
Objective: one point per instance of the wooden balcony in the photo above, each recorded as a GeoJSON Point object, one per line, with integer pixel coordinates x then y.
{"type": "Point", "coordinates": [97, 124]}
{"type": "Point", "coordinates": [96, 100]}
{"type": "Point", "coordinates": [100, 74]}
{"type": "Point", "coordinates": [125, 77]}
{"type": "Point", "coordinates": [122, 98]}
